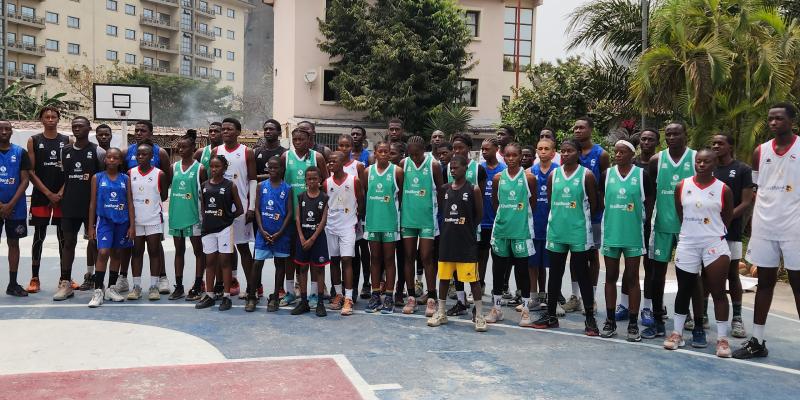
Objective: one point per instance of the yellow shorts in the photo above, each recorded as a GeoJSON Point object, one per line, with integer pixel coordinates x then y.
{"type": "Point", "coordinates": [467, 272]}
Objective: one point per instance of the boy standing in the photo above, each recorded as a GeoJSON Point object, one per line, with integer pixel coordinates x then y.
{"type": "Point", "coordinates": [14, 166]}
{"type": "Point", "coordinates": [311, 213]}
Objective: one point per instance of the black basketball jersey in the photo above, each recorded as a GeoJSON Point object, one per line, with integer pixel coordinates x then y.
{"type": "Point", "coordinates": [48, 165]}
{"type": "Point", "coordinates": [311, 210]}
{"type": "Point", "coordinates": [458, 242]}
{"type": "Point", "coordinates": [79, 165]}
{"type": "Point", "coordinates": [262, 158]}
{"type": "Point", "coordinates": [217, 206]}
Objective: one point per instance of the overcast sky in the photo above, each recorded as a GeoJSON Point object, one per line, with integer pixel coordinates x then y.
{"type": "Point", "coordinates": [551, 22]}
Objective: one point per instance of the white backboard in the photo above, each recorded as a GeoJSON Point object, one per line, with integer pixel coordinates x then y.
{"type": "Point", "coordinates": [122, 102]}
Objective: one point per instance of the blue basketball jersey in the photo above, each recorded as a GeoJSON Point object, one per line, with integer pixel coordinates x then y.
{"type": "Point", "coordinates": [591, 161]}
{"type": "Point", "coordinates": [10, 167]}
{"type": "Point", "coordinates": [273, 210]}
{"type": "Point", "coordinates": [364, 157]}
{"type": "Point", "coordinates": [112, 197]}
{"type": "Point", "coordinates": [488, 208]}
{"type": "Point", "coordinates": [131, 157]}
{"type": "Point", "coordinates": [542, 211]}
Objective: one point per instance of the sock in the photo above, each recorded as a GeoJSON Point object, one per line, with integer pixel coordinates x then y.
{"type": "Point", "coordinates": [90, 269]}
{"type": "Point", "coordinates": [722, 329]}
{"type": "Point", "coordinates": [737, 310]}
{"type": "Point", "coordinates": [478, 306]}
{"type": "Point", "coordinates": [179, 281]}
{"type": "Point", "coordinates": [419, 278]}
{"type": "Point", "coordinates": [338, 289]}
{"type": "Point", "coordinates": [198, 281]}
{"type": "Point", "coordinates": [153, 281]}
{"type": "Point", "coordinates": [462, 297]}
{"type": "Point", "coordinates": [525, 301]}
{"type": "Point", "coordinates": [137, 281]}
{"type": "Point", "coordinates": [442, 304]}
{"type": "Point", "coordinates": [348, 293]}
{"type": "Point", "coordinates": [647, 303]}
{"type": "Point", "coordinates": [497, 298]}
{"type": "Point", "coordinates": [233, 273]}
{"type": "Point", "coordinates": [288, 285]}
{"type": "Point", "coordinates": [99, 279]}
{"type": "Point", "coordinates": [12, 278]}
{"type": "Point", "coordinates": [226, 294]}
{"type": "Point", "coordinates": [680, 320]}
{"type": "Point", "coordinates": [112, 278]}
{"type": "Point", "coordinates": [314, 287]}
{"type": "Point", "coordinates": [576, 290]}
{"type": "Point", "coordinates": [623, 299]}
{"type": "Point", "coordinates": [698, 322]}
{"type": "Point", "coordinates": [210, 294]}
{"type": "Point", "coordinates": [758, 331]}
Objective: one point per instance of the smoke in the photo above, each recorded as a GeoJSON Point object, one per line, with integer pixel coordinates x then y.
{"type": "Point", "coordinates": [196, 112]}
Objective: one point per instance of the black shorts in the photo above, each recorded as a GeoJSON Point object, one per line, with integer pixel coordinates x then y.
{"type": "Point", "coordinates": [73, 225]}
{"type": "Point", "coordinates": [317, 255]}
{"type": "Point", "coordinates": [486, 238]}
{"type": "Point", "coordinates": [15, 228]}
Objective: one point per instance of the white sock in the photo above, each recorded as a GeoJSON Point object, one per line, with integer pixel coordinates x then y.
{"type": "Point", "coordinates": [623, 299]}
{"type": "Point", "coordinates": [443, 304]}
{"type": "Point", "coordinates": [288, 285]}
{"type": "Point", "coordinates": [226, 294]}
{"type": "Point", "coordinates": [338, 289]}
{"type": "Point", "coordinates": [137, 281]}
{"type": "Point", "coordinates": [233, 273]}
{"type": "Point", "coordinates": [90, 269]}
{"type": "Point", "coordinates": [680, 320]}
{"type": "Point", "coordinates": [497, 298]}
{"type": "Point", "coordinates": [576, 290]}
{"type": "Point", "coordinates": [525, 301]}
{"type": "Point", "coordinates": [314, 288]}
{"type": "Point", "coordinates": [419, 278]}
{"type": "Point", "coordinates": [758, 331]}
{"type": "Point", "coordinates": [348, 293]}
{"type": "Point", "coordinates": [722, 329]}
{"type": "Point", "coordinates": [478, 306]}
{"type": "Point", "coordinates": [153, 280]}
{"type": "Point", "coordinates": [647, 303]}
{"type": "Point", "coordinates": [210, 294]}
{"type": "Point", "coordinates": [462, 297]}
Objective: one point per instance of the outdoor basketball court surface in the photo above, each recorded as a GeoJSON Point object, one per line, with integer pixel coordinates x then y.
{"type": "Point", "coordinates": [167, 349]}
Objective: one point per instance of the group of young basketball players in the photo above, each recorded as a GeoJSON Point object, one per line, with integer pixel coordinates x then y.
{"type": "Point", "coordinates": [408, 213]}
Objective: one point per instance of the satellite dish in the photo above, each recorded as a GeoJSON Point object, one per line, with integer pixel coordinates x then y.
{"type": "Point", "coordinates": [310, 76]}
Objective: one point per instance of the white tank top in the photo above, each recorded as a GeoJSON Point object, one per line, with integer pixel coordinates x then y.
{"type": "Point", "coordinates": [237, 169]}
{"type": "Point", "coordinates": [702, 213]}
{"type": "Point", "coordinates": [146, 196]}
{"type": "Point", "coordinates": [351, 168]}
{"type": "Point", "coordinates": [777, 208]}
{"type": "Point", "coordinates": [342, 206]}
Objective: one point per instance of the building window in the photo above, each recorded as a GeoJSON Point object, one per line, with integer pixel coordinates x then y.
{"type": "Point", "coordinates": [147, 37]}
{"type": "Point", "coordinates": [11, 8]}
{"type": "Point", "coordinates": [217, 31]}
{"type": "Point", "coordinates": [186, 43]}
{"type": "Point", "coordinates": [28, 69]}
{"type": "Point", "coordinates": [111, 55]}
{"type": "Point", "coordinates": [130, 34]}
{"type": "Point", "coordinates": [12, 65]}
{"type": "Point", "coordinates": [216, 73]}
{"type": "Point", "coordinates": [74, 22]}
{"type": "Point", "coordinates": [148, 61]}
{"type": "Point", "coordinates": [231, 13]}
{"type": "Point", "coordinates": [28, 12]}
{"type": "Point", "coordinates": [230, 76]}
{"type": "Point", "coordinates": [217, 53]}
{"type": "Point", "coordinates": [130, 9]}
{"type": "Point", "coordinates": [73, 48]}
{"type": "Point", "coordinates": [218, 10]}
{"type": "Point", "coordinates": [111, 30]}
{"type": "Point", "coordinates": [510, 40]}
{"type": "Point", "coordinates": [186, 20]}
{"type": "Point", "coordinates": [472, 18]}
{"type": "Point", "coordinates": [328, 94]}
{"type": "Point", "coordinates": [186, 66]}
{"type": "Point", "coordinates": [11, 37]}
{"type": "Point", "coordinates": [230, 56]}
{"type": "Point", "coordinates": [51, 44]}
{"type": "Point", "coordinates": [28, 40]}
{"type": "Point", "coordinates": [202, 71]}
{"type": "Point", "coordinates": [470, 97]}
{"type": "Point", "coordinates": [111, 5]}
{"type": "Point", "coordinates": [130, 58]}
{"type": "Point", "coordinates": [202, 49]}
{"type": "Point", "coordinates": [147, 13]}
{"type": "Point", "coordinates": [52, 71]}
{"type": "Point", "coordinates": [231, 34]}
{"type": "Point", "coordinates": [506, 100]}
{"type": "Point", "coordinates": [51, 17]}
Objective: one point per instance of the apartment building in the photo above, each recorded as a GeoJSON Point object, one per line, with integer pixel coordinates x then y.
{"type": "Point", "coordinates": [503, 32]}
{"type": "Point", "coordinates": [198, 39]}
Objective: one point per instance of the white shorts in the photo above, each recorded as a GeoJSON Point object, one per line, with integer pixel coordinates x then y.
{"type": "Point", "coordinates": [221, 242]}
{"type": "Point", "coordinates": [147, 230]}
{"type": "Point", "coordinates": [767, 253]}
{"type": "Point", "coordinates": [242, 232]}
{"type": "Point", "coordinates": [341, 245]}
{"type": "Point", "coordinates": [691, 259]}
{"type": "Point", "coordinates": [736, 249]}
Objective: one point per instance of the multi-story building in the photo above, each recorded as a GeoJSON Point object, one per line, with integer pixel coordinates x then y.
{"type": "Point", "coordinates": [503, 31]}
{"type": "Point", "coordinates": [199, 39]}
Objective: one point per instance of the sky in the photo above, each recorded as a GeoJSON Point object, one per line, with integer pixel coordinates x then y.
{"type": "Point", "coordinates": [551, 23]}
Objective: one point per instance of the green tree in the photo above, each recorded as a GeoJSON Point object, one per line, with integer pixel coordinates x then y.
{"type": "Point", "coordinates": [398, 58]}
{"type": "Point", "coordinates": [20, 101]}
{"type": "Point", "coordinates": [615, 26]}
{"type": "Point", "coordinates": [449, 119]}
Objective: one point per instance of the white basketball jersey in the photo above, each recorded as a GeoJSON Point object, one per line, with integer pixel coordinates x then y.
{"type": "Point", "coordinates": [146, 196]}
{"type": "Point", "coordinates": [351, 168]}
{"type": "Point", "coordinates": [342, 206]}
{"type": "Point", "coordinates": [237, 169]}
{"type": "Point", "coordinates": [776, 215]}
{"type": "Point", "coordinates": [702, 213]}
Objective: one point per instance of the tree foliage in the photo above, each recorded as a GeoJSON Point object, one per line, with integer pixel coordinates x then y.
{"type": "Point", "coordinates": [23, 101]}
{"type": "Point", "coordinates": [449, 119]}
{"type": "Point", "coordinates": [398, 58]}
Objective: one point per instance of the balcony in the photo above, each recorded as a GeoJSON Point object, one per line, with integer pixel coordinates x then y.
{"type": "Point", "coordinates": [170, 3]}
{"type": "Point", "coordinates": [25, 48]}
{"type": "Point", "coordinates": [204, 56]}
{"type": "Point", "coordinates": [158, 23]}
{"type": "Point", "coordinates": [155, 46]}
{"type": "Point", "coordinates": [158, 70]}
{"type": "Point", "coordinates": [26, 76]}
{"type": "Point", "coordinates": [204, 33]}
{"type": "Point", "coordinates": [205, 12]}
{"type": "Point", "coordinates": [187, 3]}
{"type": "Point", "coordinates": [204, 76]}
{"type": "Point", "coordinates": [27, 20]}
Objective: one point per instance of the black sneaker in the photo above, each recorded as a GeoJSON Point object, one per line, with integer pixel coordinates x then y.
{"type": "Point", "coordinates": [250, 305]}
{"type": "Point", "coordinates": [194, 294]}
{"type": "Point", "coordinates": [366, 291]}
{"type": "Point", "coordinates": [517, 300]}
{"type": "Point", "coordinates": [301, 307]}
{"type": "Point", "coordinates": [457, 309]}
{"type": "Point", "coordinates": [546, 321]}
{"type": "Point", "coordinates": [226, 304]}
{"type": "Point", "coordinates": [14, 289]}
{"type": "Point", "coordinates": [751, 349]}
{"type": "Point", "coordinates": [633, 333]}
{"type": "Point", "coordinates": [88, 283]}
{"type": "Point", "coordinates": [320, 311]}
{"type": "Point", "coordinates": [609, 329]}
{"type": "Point", "coordinates": [272, 304]}
{"type": "Point", "coordinates": [177, 293]}
{"type": "Point", "coordinates": [591, 327]}
{"type": "Point", "coordinates": [205, 302]}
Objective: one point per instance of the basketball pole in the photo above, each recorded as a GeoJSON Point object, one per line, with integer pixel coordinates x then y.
{"type": "Point", "coordinates": [124, 133]}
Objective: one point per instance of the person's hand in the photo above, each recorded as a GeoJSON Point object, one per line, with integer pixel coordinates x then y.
{"type": "Point", "coordinates": [250, 216]}
{"type": "Point", "coordinates": [5, 210]}
{"type": "Point", "coordinates": [92, 232]}
{"type": "Point", "coordinates": [265, 235]}
{"type": "Point", "coordinates": [54, 198]}
{"type": "Point", "coordinates": [307, 244]}
{"type": "Point", "coordinates": [131, 233]}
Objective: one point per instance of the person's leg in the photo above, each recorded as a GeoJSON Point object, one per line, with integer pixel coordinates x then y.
{"type": "Point", "coordinates": [349, 276]}
{"type": "Point", "coordinates": [715, 276]}
{"type": "Point", "coordinates": [102, 262]}
{"type": "Point", "coordinates": [336, 272]}
{"type": "Point", "coordinates": [794, 282]}
{"type": "Point", "coordinates": [558, 262]}
{"type": "Point", "coordinates": [657, 290]}
{"type": "Point", "coordinates": [522, 279]}
{"type": "Point", "coordinates": [686, 285]}
{"type": "Point", "coordinates": [388, 249]}
{"type": "Point", "coordinates": [70, 241]}
{"type": "Point", "coordinates": [376, 263]}
{"type": "Point", "coordinates": [364, 259]}
{"type": "Point", "coordinates": [39, 234]}
{"type": "Point", "coordinates": [612, 274]}
{"type": "Point", "coordinates": [630, 279]}
{"type": "Point", "coordinates": [247, 265]}
{"type": "Point", "coordinates": [426, 255]}
{"type": "Point", "coordinates": [91, 256]}
{"type": "Point", "coordinates": [280, 273]}
{"type": "Point", "coordinates": [199, 261]}
{"type": "Point", "coordinates": [180, 251]}
{"type": "Point", "coordinates": [698, 301]}
{"type": "Point", "coordinates": [13, 261]}
{"type": "Point", "coordinates": [226, 265]}
{"type": "Point", "coordinates": [500, 267]}
{"type": "Point", "coordinates": [212, 265]}
{"type": "Point", "coordinates": [581, 259]}
{"type": "Point", "coordinates": [483, 254]}
{"type": "Point", "coordinates": [302, 280]}
{"type": "Point", "coordinates": [154, 252]}
{"type": "Point", "coordinates": [137, 260]}
{"type": "Point", "coordinates": [113, 266]}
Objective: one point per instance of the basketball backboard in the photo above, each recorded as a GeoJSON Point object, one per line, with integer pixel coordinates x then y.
{"type": "Point", "coordinates": [122, 102]}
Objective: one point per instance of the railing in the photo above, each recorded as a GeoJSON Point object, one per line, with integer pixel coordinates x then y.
{"type": "Point", "coordinates": [157, 22]}
{"type": "Point", "coordinates": [205, 11]}
{"type": "Point", "coordinates": [26, 48]}
{"type": "Point", "coordinates": [205, 33]}
{"type": "Point", "coordinates": [156, 69]}
{"type": "Point", "coordinates": [29, 19]}
{"type": "Point", "coordinates": [157, 46]}
{"type": "Point", "coordinates": [29, 76]}
{"type": "Point", "coordinates": [204, 55]}
{"type": "Point", "coordinates": [173, 3]}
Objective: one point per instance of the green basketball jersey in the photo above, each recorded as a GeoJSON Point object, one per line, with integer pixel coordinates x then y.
{"type": "Point", "coordinates": [665, 218]}
{"type": "Point", "coordinates": [570, 219]}
{"type": "Point", "coordinates": [383, 211]}
{"type": "Point", "coordinates": [624, 213]}
{"type": "Point", "coordinates": [295, 174]}
{"type": "Point", "coordinates": [184, 201]}
{"type": "Point", "coordinates": [205, 158]}
{"type": "Point", "coordinates": [514, 218]}
{"type": "Point", "coordinates": [419, 195]}
{"type": "Point", "coordinates": [472, 173]}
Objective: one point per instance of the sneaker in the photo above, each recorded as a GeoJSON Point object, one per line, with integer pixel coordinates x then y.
{"type": "Point", "coordinates": [437, 319]}
{"type": "Point", "coordinates": [163, 285]}
{"type": "Point", "coordinates": [646, 315]}
{"type": "Point", "coordinates": [205, 302]}
{"type": "Point", "coordinates": [16, 290]}
{"type": "Point", "coordinates": [410, 306]}
{"type": "Point", "coordinates": [560, 311]}
{"type": "Point", "coordinates": [649, 333]}
{"type": "Point", "coordinates": [621, 313]}
{"type": "Point", "coordinates": [633, 333]}
{"type": "Point", "coordinates": [194, 294]}
{"type": "Point", "coordinates": [336, 302]}
{"type": "Point", "coordinates": [388, 305]}
{"type": "Point", "coordinates": [430, 308]}
{"type": "Point", "coordinates": [609, 329]}
{"type": "Point", "coordinates": [590, 327]}
{"type": "Point", "coordinates": [480, 323]}
{"type": "Point", "coordinates": [723, 348]}
{"type": "Point", "coordinates": [535, 304]}
{"type": "Point", "coordinates": [507, 295]}
{"type": "Point", "coordinates": [135, 293]}
{"type": "Point", "coordinates": [689, 324]}
{"type": "Point", "coordinates": [235, 287]}
{"type": "Point", "coordinates": [674, 341]}
{"type": "Point", "coordinates": [470, 299]}
{"type": "Point", "coordinates": [661, 329]}
{"type": "Point", "coordinates": [545, 321]}
{"type": "Point", "coordinates": [699, 340]}
{"type": "Point", "coordinates": [737, 328]}
{"type": "Point", "coordinates": [122, 284]}
{"type": "Point", "coordinates": [112, 294]}
{"type": "Point", "coordinates": [419, 289]}
{"type": "Point", "coordinates": [515, 301]}
{"type": "Point", "coordinates": [398, 299]}
{"type": "Point", "coordinates": [313, 300]}
{"type": "Point", "coordinates": [64, 291]}
{"type": "Point", "coordinates": [374, 304]}
{"type": "Point", "coordinates": [458, 309]}
{"type": "Point", "coordinates": [97, 299]}
{"type": "Point", "coordinates": [177, 293]}
{"type": "Point", "coordinates": [366, 291]}
{"type": "Point", "coordinates": [451, 291]}
{"type": "Point", "coordinates": [525, 318]}
{"type": "Point", "coordinates": [751, 349]}
{"type": "Point", "coordinates": [251, 303]}
{"type": "Point", "coordinates": [88, 283]}
{"type": "Point", "coordinates": [272, 303]}
{"type": "Point", "coordinates": [153, 293]}
{"type": "Point", "coordinates": [347, 308]}
{"type": "Point", "coordinates": [320, 311]}
{"type": "Point", "coordinates": [706, 325]}
{"type": "Point", "coordinates": [243, 293]}
{"type": "Point", "coordinates": [34, 286]}
{"type": "Point", "coordinates": [573, 304]}
{"type": "Point", "coordinates": [226, 304]}
{"type": "Point", "coordinates": [74, 285]}
{"type": "Point", "coordinates": [288, 299]}
{"type": "Point", "coordinates": [519, 307]}
{"type": "Point", "coordinates": [494, 316]}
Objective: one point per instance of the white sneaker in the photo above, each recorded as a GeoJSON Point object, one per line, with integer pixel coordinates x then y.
{"type": "Point", "coordinates": [154, 294]}
{"type": "Point", "coordinates": [573, 304]}
{"type": "Point", "coordinates": [97, 299]}
{"type": "Point", "coordinates": [163, 285]}
{"type": "Point", "coordinates": [113, 295]}
{"type": "Point", "coordinates": [480, 323]}
{"type": "Point", "coordinates": [470, 299]}
{"type": "Point", "coordinates": [525, 320]}
{"type": "Point", "coordinates": [494, 316]}
{"type": "Point", "coordinates": [122, 285]}
{"type": "Point", "coordinates": [243, 294]}
{"type": "Point", "coordinates": [438, 318]}
{"type": "Point", "coordinates": [135, 293]}
{"type": "Point", "coordinates": [64, 291]}
{"type": "Point", "coordinates": [560, 311]}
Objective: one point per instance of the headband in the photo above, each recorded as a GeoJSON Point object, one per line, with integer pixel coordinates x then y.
{"type": "Point", "coordinates": [627, 144]}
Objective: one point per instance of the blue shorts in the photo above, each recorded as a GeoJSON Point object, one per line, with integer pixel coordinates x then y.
{"type": "Point", "coordinates": [280, 248]}
{"type": "Point", "coordinates": [541, 259]}
{"type": "Point", "coordinates": [111, 235]}
{"type": "Point", "coordinates": [269, 252]}
{"type": "Point", "coordinates": [317, 255]}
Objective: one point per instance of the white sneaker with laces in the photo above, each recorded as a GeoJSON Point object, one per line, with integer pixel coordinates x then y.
{"type": "Point", "coordinates": [470, 298]}
{"type": "Point", "coordinates": [97, 299]}
{"type": "Point", "coordinates": [573, 304]}
{"type": "Point", "coordinates": [494, 316]}
{"type": "Point", "coordinates": [163, 285]}
{"type": "Point", "coordinates": [525, 320]}
{"type": "Point", "coordinates": [112, 294]}
{"type": "Point", "coordinates": [135, 293]}
{"type": "Point", "coordinates": [154, 294]}
{"type": "Point", "coordinates": [438, 318]}
{"type": "Point", "coordinates": [122, 285]}
{"type": "Point", "coordinates": [64, 291]}
{"type": "Point", "coordinates": [480, 323]}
